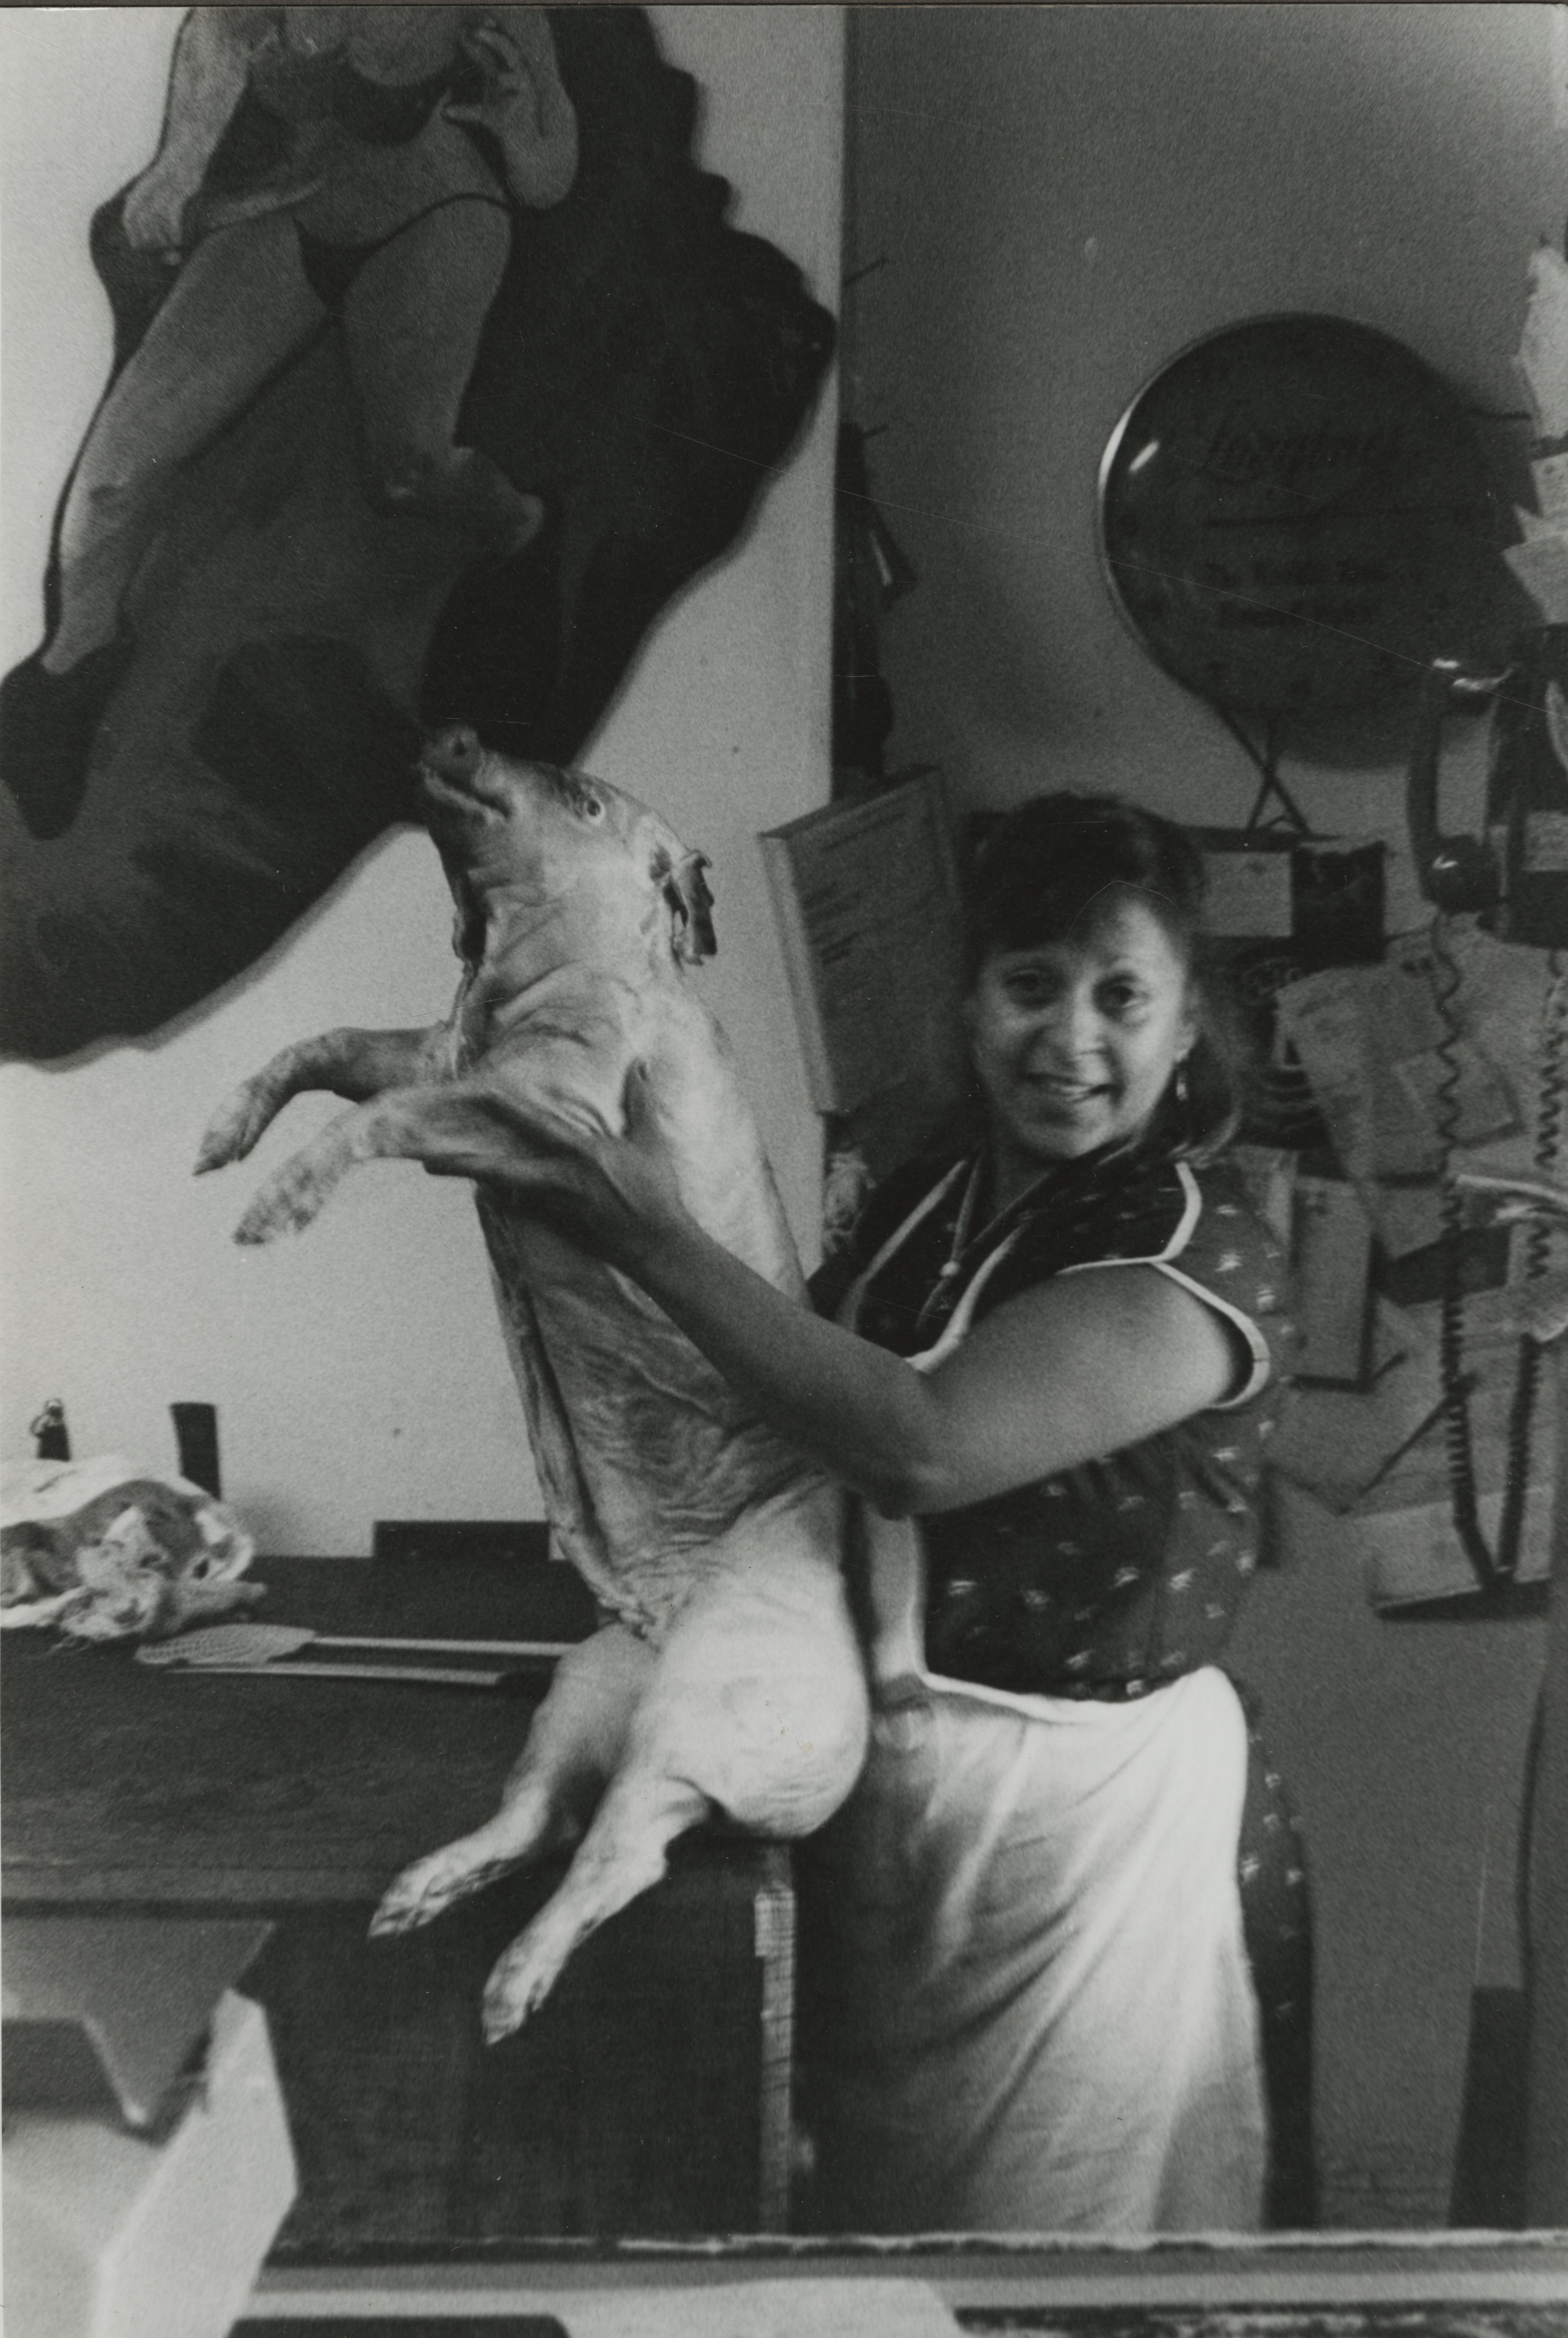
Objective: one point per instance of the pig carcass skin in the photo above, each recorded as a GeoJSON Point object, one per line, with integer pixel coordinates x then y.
{"type": "Point", "coordinates": [730, 1678]}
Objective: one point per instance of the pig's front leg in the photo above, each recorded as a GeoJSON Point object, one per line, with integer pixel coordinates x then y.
{"type": "Point", "coordinates": [453, 1121]}
{"type": "Point", "coordinates": [354, 1064]}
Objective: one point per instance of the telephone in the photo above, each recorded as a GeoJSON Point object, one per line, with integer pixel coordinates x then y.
{"type": "Point", "coordinates": [1515, 877]}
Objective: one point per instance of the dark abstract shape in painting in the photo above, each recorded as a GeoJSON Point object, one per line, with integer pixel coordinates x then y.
{"type": "Point", "coordinates": [185, 794]}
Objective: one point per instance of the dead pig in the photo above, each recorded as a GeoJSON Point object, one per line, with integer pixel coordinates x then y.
{"type": "Point", "coordinates": [730, 1679]}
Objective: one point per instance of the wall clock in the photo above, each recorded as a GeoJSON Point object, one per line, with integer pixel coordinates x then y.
{"type": "Point", "coordinates": [1295, 518]}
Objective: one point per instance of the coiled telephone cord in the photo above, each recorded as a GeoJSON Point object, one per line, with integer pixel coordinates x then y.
{"type": "Point", "coordinates": [1499, 1567]}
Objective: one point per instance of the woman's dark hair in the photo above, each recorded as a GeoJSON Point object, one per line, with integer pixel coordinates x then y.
{"type": "Point", "coordinates": [1055, 865]}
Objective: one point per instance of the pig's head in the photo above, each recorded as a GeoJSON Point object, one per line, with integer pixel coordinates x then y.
{"type": "Point", "coordinates": [531, 849]}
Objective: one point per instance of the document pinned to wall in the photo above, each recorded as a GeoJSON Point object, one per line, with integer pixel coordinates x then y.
{"type": "Point", "coordinates": [865, 894]}
{"type": "Point", "coordinates": [1405, 1517]}
{"type": "Point", "coordinates": [1331, 1260]}
{"type": "Point", "coordinates": [1541, 362]}
{"type": "Point", "coordinates": [1269, 1173]}
{"type": "Point", "coordinates": [1374, 1049]}
{"type": "Point", "coordinates": [1541, 561]}
{"type": "Point", "coordinates": [1541, 566]}
{"type": "Point", "coordinates": [1349, 1026]}
{"type": "Point", "coordinates": [1550, 472]}
{"type": "Point", "coordinates": [1248, 895]}
{"type": "Point", "coordinates": [1380, 1458]}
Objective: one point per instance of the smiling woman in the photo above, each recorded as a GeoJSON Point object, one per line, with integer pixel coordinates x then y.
{"type": "Point", "coordinates": [1065, 1914]}
{"type": "Point", "coordinates": [1075, 1045]}
{"type": "Point", "coordinates": [1085, 1001]}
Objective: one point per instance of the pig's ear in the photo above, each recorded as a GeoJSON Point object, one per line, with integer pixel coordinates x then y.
{"type": "Point", "coordinates": [689, 895]}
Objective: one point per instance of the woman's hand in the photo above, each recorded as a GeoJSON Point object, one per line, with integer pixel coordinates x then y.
{"type": "Point", "coordinates": [613, 1195]}
{"type": "Point", "coordinates": [523, 105]}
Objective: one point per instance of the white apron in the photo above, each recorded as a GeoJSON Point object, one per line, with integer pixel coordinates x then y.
{"type": "Point", "coordinates": [1042, 2016]}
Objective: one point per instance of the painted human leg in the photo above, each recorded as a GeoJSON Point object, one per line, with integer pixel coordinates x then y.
{"type": "Point", "coordinates": [239, 307]}
{"type": "Point", "coordinates": [412, 323]}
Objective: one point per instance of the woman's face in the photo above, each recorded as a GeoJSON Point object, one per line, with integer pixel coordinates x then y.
{"type": "Point", "coordinates": [1075, 1042]}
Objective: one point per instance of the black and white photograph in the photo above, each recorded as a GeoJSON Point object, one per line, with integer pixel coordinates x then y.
{"type": "Point", "coordinates": [784, 1169]}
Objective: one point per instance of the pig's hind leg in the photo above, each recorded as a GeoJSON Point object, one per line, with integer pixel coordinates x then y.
{"type": "Point", "coordinates": [354, 1064]}
{"type": "Point", "coordinates": [624, 1854]}
{"type": "Point", "coordinates": [577, 1739]}
{"type": "Point", "coordinates": [758, 1710]}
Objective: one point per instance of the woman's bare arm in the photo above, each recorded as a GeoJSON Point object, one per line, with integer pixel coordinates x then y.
{"type": "Point", "coordinates": [1078, 1367]}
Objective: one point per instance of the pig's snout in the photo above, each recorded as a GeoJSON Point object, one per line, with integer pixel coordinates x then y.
{"type": "Point", "coordinates": [454, 752]}
{"type": "Point", "coordinates": [458, 777]}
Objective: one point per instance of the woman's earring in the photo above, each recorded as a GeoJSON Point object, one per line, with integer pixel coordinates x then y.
{"type": "Point", "coordinates": [1181, 1088]}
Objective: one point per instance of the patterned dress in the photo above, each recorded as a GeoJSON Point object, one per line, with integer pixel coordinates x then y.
{"type": "Point", "coordinates": [1120, 1578]}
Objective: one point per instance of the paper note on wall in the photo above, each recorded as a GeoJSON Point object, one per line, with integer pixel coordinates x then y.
{"type": "Point", "coordinates": [1413, 1556]}
{"type": "Point", "coordinates": [1331, 1260]}
{"type": "Point", "coordinates": [1384, 1450]}
{"type": "Point", "coordinates": [1405, 1518]}
{"type": "Point", "coordinates": [1542, 360]}
{"type": "Point", "coordinates": [1349, 1027]}
{"type": "Point", "coordinates": [1479, 1104]}
{"type": "Point", "coordinates": [1373, 1047]}
{"type": "Point", "coordinates": [1541, 564]}
{"type": "Point", "coordinates": [1269, 1173]}
{"type": "Point", "coordinates": [1247, 894]}
{"type": "Point", "coordinates": [865, 894]}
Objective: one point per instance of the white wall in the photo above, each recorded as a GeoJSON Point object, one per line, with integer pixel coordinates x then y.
{"type": "Point", "coordinates": [1066, 197]}
{"type": "Point", "coordinates": [359, 1374]}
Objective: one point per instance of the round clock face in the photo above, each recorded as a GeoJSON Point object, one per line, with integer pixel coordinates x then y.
{"type": "Point", "coordinates": [1295, 518]}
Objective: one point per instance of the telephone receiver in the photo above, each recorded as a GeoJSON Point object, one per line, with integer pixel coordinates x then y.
{"type": "Point", "coordinates": [1516, 875]}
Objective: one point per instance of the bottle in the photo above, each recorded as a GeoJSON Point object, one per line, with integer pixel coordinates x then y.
{"type": "Point", "coordinates": [196, 1436]}
{"type": "Point", "coordinates": [52, 1438]}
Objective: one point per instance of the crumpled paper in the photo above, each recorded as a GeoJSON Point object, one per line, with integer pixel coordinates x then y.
{"type": "Point", "coordinates": [102, 1550]}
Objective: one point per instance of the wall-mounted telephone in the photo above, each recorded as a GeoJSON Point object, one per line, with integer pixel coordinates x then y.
{"type": "Point", "coordinates": [1515, 877]}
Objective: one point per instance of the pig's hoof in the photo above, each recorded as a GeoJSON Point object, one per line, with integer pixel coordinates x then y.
{"type": "Point", "coordinates": [426, 1891]}
{"type": "Point", "coordinates": [282, 1207]}
{"type": "Point", "coordinates": [260, 1226]}
{"type": "Point", "coordinates": [229, 1134]}
{"type": "Point", "coordinates": [528, 1828]}
{"type": "Point", "coordinates": [520, 1982]}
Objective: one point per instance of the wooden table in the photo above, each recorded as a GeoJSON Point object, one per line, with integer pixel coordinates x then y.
{"type": "Point", "coordinates": [650, 2095]}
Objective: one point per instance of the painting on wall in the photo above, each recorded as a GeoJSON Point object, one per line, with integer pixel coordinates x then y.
{"type": "Point", "coordinates": [438, 371]}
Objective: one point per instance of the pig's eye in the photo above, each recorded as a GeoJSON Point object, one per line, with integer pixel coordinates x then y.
{"type": "Point", "coordinates": [585, 801]}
